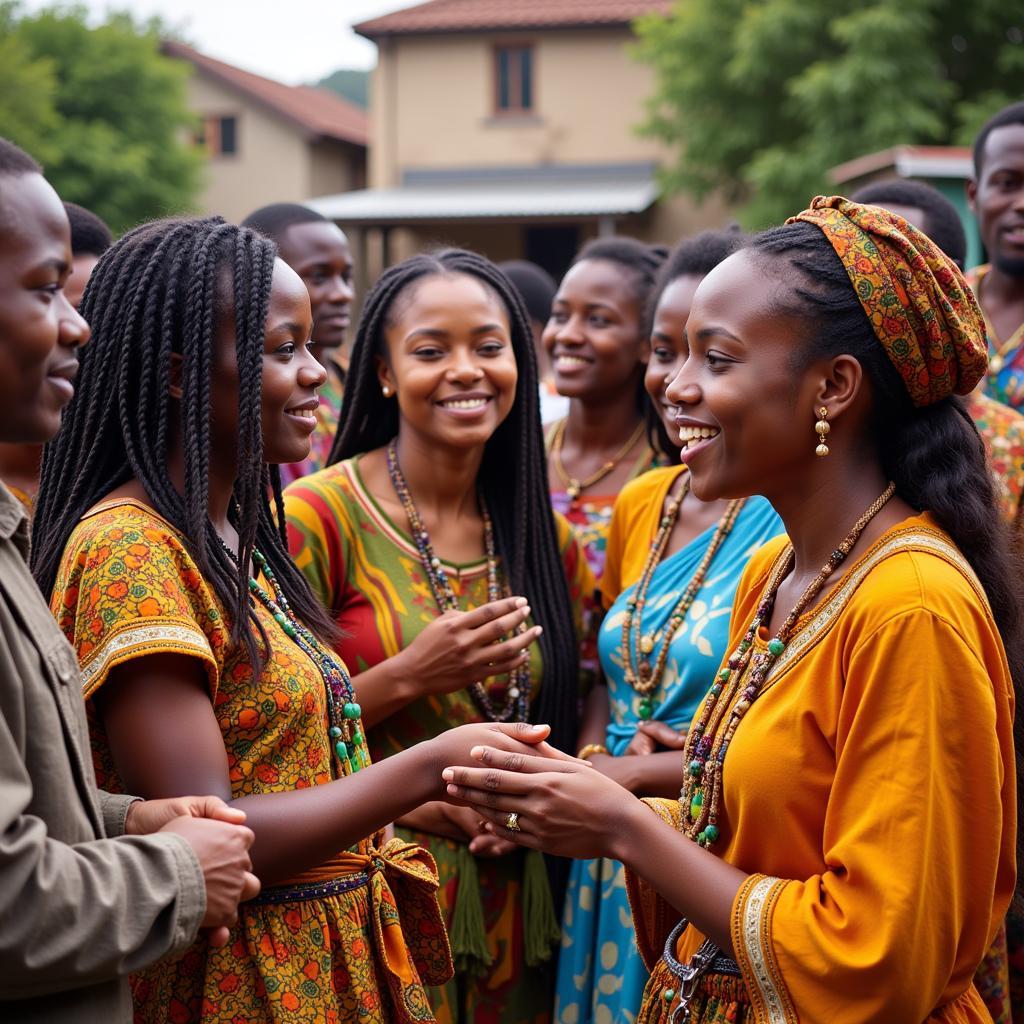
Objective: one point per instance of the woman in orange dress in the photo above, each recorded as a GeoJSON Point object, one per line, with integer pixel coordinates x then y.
{"type": "Point", "coordinates": [844, 845]}
{"type": "Point", "coordinates": [206, 659]}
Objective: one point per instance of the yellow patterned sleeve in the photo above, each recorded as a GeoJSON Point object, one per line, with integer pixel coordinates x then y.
{"type": "Point", "coordinates": [127, 588]}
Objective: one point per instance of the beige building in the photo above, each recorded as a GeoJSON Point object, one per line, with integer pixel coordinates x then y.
{"type": "Point", "coordinates": [269, 142]}
{"type": "Point", "coordinates": [510, 128]}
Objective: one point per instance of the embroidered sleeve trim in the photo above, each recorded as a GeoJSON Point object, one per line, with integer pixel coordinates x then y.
{"type": "Point", "coordinates": [142, 637]}
{"type": "Point", "coordinates": [751, 939]}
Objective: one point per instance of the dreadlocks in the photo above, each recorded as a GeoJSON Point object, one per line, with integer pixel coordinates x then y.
{"type": "Point", "coordinates": [513, 474]}
{"type": "Point", "coordinates": [162, 291]}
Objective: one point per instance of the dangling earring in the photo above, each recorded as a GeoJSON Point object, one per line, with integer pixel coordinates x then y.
{"type": "Point", "coordinates": [822, 428]}
{"type": "Point", "coordinates": [386, 391]}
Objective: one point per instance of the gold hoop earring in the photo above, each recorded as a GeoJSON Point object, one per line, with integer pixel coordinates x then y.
{"type": "Point", "coordinates": [822, 428]}
{"type": "Point", "coordinates": [386, 391]}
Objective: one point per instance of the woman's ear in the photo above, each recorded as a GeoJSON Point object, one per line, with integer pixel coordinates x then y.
{"type": "Point", "coordinates": [174, 390]}
{"type": "Point", "coordinates": [840, 386]}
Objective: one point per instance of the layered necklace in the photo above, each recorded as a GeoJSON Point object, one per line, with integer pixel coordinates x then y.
{"type": "Point", "coordinates": [343, 712]}
{"type": "Point", "coordinates": [517, 692]}
{"type": "Point", "coordinates": [574, 487]}
{"type": "Point", "coordinates": [740, 683]}
{"type": "Point", "coordinates": [638, 646]}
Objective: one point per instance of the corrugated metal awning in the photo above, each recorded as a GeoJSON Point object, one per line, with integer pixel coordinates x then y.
{"type": "Point", "coordinates": [434, 196]}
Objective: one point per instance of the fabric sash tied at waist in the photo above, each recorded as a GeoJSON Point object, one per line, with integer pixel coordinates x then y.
{"type": "Point", "coordinates": [410, 943]}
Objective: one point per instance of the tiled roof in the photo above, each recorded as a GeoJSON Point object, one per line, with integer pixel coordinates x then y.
{"type": "Point", "coordinates": [473, 15]}
{"type": "Point", "coordinates": [908, 162]}
{"type": "Point", "coordinates": [317, 111]}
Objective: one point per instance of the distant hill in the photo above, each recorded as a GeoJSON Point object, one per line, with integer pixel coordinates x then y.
{"type": "Point", "coordinates": [349, 83]}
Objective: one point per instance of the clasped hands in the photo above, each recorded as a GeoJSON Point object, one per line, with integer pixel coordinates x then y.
{"type": "Point", "coordinates": [218, 837]}
{"type": "Point", "coordinates": [564, 806]}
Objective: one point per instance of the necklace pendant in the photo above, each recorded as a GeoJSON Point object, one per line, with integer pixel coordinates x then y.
{"type": "Point", "coordinates": [646, 645]}
{"type": "Point", "coordinates": [696, 803]}
{"type": "Point", "coordinates": [644, 668]}
{"type": "Point", "coordinates": [645, 708]}
{"type": "Point", "coordinates": [573, 490]}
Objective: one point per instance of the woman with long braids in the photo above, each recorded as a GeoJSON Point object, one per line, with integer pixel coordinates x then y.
{"type": "Point", "coordinates": [844, 846]}
{"type": "Point", "coordinates": [206, 659]}
{"type": "Point", "coordinates": [434, 509]}
{"type": "Point", "coordinates": [670, 576]}
{"type": "Point", "coordinates": [597, 343]}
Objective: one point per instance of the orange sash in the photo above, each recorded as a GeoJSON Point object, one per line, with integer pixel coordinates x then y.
{"type": "Point", "coordinates": [410, 943]}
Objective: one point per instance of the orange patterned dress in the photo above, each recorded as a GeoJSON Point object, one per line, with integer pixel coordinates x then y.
{"type": "Point", "coordinates": [355, 940]}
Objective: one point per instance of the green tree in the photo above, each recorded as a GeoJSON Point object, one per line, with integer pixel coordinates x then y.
{"type": "Point", "coordinates": [349, 83]}
{"type": "Point", "coordinates": [759, 98]}
{"type": "Point", "coordinates": [102, 109]}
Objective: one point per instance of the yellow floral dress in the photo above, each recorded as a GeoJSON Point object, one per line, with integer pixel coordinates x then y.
{"type": "Point", "coordinates": [353, 941]}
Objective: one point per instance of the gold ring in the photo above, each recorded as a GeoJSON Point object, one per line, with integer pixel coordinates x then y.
{"type": "Point", "coordinates": [512, 822]}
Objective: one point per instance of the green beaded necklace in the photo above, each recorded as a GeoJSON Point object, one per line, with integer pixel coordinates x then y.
{"type": "Point", "coordinates": [638, 647]}
{"type": "Point", "coordinates": [343, 711]}
{"type": "Point", "coordinates": [740, 682]}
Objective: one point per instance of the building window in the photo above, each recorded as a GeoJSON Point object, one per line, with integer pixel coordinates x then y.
{"type": "Point", "coordinates": [513, 75]}
{"type": "Point", "coordinates": [219, 135]}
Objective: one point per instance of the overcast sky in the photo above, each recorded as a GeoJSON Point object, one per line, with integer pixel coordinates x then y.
{"type": "Point", "coordinates": [291, 40]}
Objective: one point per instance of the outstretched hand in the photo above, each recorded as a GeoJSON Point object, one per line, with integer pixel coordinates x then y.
{"type": "Point", "coordinates": [455, 745]}
{"type": "Point", "coordinates": [563, 806]}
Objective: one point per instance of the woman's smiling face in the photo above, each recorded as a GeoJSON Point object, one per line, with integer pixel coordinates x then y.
{"type": "Point", "coordinates": [744, 415]}
{"type": "Point", "coordinates": [450, 360]}
{"type": "Point", "coordinates": [668, 348]}
{"type": "Point", "coordinates": [593, 336]}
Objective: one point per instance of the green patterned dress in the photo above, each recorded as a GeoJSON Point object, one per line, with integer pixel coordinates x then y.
{"type": "Point", "coordinates": [367, 570]}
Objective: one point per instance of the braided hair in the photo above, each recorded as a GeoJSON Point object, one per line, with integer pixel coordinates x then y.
{"type": "Point", "coordinates": [163, 290]}
{"type": "Point", "coordinates": [513, 473]}
{"type": "Point", "coordinates": [933, 453]}
{"type": "Point", "coordinates": [643, 264]}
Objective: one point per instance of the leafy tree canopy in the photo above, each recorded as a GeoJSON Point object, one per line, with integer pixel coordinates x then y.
{"type": "Point", "coordinates": [759, 98]}
{"type": "Point", "coordinates": [101, 109]}
{"type": "Point", "coordinates": [349, 83]}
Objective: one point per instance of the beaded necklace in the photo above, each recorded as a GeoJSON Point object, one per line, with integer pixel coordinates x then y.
{"type": "Point", "coordinates": [638, 647]}
{"type": "Point", "coordinates": [731, 696]}
{"type": "Point", "coordinates": [575, 487]}
{"type": "Point", "coordinates": [343, 712]}
{"type": "Point", "coordinates": [517, 693]}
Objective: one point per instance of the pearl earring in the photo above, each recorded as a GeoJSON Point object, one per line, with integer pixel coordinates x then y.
{"type": "Point", "coordinates": [386, 391]}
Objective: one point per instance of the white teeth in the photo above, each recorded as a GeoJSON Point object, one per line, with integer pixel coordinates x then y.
{"type": "Point", "coordinates": [571, 361]}
{"type": "Point", "coordinates": [468, 403]}
{"type": "Point", "coordinates": [690, 435]}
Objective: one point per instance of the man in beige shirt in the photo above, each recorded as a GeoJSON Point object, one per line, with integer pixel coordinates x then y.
{"type": "Point", "coordinates": [92, 886]}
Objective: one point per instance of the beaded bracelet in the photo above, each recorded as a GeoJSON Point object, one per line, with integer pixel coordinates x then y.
{"type": "Point", "coordinates": [587, 752]}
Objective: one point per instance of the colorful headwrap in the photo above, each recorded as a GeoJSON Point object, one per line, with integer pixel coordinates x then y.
{"type": "Point", "coordinates": [919, 304]}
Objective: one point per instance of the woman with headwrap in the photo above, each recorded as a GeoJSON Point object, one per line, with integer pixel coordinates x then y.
{"type": "Point", "coordinates": [843, 849]}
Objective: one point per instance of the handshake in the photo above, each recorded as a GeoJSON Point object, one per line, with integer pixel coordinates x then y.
{"type": "Point", "coordinates": [218, 837]}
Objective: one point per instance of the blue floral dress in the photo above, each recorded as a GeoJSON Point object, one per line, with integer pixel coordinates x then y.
{"type": "Point", "coordinates": [601, 977]}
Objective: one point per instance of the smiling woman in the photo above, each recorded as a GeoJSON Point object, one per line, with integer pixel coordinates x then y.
{"type": "Point", "coordinates": [456, 590]}
{"type": "Point", "coordinates": [844, 845]}
{"type": "Point", "coordinates": [596, 339]}
{"type": "Point", "coordinates": [205, 656]}
{"type": "Point", "coordinates": [318, 251]}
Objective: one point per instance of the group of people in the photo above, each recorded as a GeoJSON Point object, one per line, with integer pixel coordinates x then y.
{"type": "Point", "coordinates": [638, 647]}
